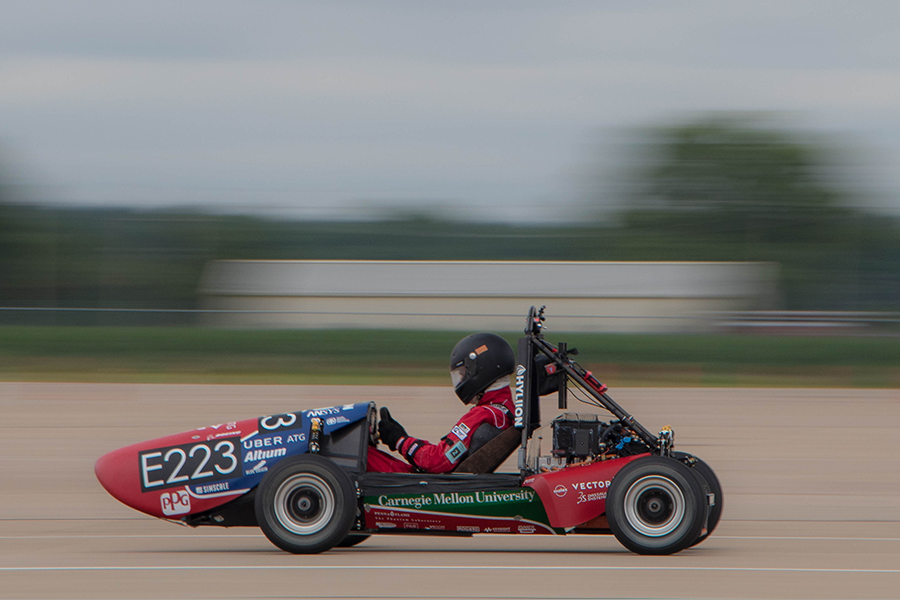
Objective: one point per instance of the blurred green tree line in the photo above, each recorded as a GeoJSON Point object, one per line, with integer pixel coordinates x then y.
{"type": "Point", "coordinates": [716, 190]}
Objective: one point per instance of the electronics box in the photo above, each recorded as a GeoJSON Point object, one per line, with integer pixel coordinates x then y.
{"type": "Point", "coordinates": [577, 435]}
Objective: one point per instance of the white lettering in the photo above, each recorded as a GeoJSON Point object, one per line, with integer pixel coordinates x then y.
{"type": "Point", "coordinates": [146, 468]}
{"type": "Point", "coordinates": [519, 401]}
{"type": "Point", "coordinates": [415, 502]}
{"type": "Point", "coordinates": [262, 442]}
{"type": "Point", "coordinates": [282, 421]}
{"type": "Point", "coordinates": [591, 485]}
{"type": "Point", "coordinates": [213, 487]}
{"type": "Point", "coordinates": [255, 455]}
{"type": "Point", "coordinates": [582, 497]}
{"type": "Point", "coordinates": [321, 412]}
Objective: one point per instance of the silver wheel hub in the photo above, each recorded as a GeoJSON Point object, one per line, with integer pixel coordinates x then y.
{"type": "Point", "coordinates": [304, 504]}
{"type": "Point", "coordinates": [654, 505]}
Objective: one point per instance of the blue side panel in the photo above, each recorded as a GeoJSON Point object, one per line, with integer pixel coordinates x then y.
{"type": "Point", "coordinates": [336, 417]}
{"type": "Point", "coordinates": [278, 437]}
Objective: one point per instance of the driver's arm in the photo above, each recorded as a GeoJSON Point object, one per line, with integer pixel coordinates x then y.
{"type": "Point", "coordinates": [446, 454]}
{"type": "Point", "coordinates": [433, 458]}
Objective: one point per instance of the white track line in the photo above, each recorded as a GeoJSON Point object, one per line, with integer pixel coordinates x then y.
{"type": "Point", "coordinates": [801, 538]}
{"type": "Point", "coordinates": [259, 536]}
{"type": "Point", "coordinates": [440, 568]}
{"type": "Point", "coordinates": [125, 536]}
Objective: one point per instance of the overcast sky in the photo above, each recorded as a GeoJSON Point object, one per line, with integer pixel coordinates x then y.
{"type": "Point", "coordinates": [338, 108]}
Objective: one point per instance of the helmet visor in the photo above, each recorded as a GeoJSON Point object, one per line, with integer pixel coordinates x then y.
{"type": "Point", "coordinates": [457, 375]}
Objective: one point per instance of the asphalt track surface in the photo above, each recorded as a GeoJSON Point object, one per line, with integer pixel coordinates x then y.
{"type": "Point", "coordinates": [811, 480]}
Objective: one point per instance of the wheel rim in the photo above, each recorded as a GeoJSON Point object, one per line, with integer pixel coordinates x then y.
{"type": "Point", "coordinates": [304, 504]}
{"type": "Point", "coordinates": [654, 505]}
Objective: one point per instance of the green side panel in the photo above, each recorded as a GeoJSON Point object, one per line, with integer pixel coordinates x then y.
{"type": "Point", "coordinates": [518, 502]}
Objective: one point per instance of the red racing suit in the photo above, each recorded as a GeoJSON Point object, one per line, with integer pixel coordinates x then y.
{"type": "Point", "coordinates": [494, 408]}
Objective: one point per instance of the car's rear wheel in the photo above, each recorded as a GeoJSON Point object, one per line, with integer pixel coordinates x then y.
{"type": "Point", "coordinates": [655, 506]}
{"type": "Point", "coordinates": [305, 505]}
{"type": "Point", "coordinates": [715, 488]}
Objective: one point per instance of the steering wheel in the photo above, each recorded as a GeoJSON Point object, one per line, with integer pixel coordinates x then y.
{"type": "Point", "coordinates": [534, 321]}
{"type": "Point", "coordinates": [372, 420]}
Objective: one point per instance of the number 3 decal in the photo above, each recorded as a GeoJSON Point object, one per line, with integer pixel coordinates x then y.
{"type": "Point", "coordinates": [282, 421]}
{"type": "Point", "coordinates": [227, 454]}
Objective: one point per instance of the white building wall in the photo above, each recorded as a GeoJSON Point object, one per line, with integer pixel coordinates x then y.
{"type": "Point", "coordinates": [469, 296]}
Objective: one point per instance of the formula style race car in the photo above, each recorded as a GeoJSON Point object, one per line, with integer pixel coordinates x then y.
{"type": "Point", "coordinates": [301, 477]}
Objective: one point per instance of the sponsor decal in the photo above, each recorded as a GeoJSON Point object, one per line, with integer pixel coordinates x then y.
{"type": "Point", "coordinates": [259, 451]}
{"type": "Point", "coordinates": [592, 497]}
{"type": "Point", "coordinates": [323, 412]}
{"type": "Point", "coordinates": [228, 426]}
{"type": "Point", "coordinates": [260, 467]}
{"type": "Point", "coordinates": [175, 503]}
{"type": "Point", "coordinates": [526, 528]}
{"type": "Point", "coordinates": [560, 491]}
{"type": "Point", "coordinates": [461, 431]}
{"type": "Point", "coordinates": [456, 499]}
{"type": "Point", "coordinates": [212, 488]}
{"type": "Point", "coordinates": [336, 420]}
{"type": "Point", "coordinates": [415, 502]}
{"type": "Point", "coordinates": [455, 451]}
{"type": "Point", "coordinates": [223, 434]}
{"type": "Point", "coordinates": [264, 442]}
{"type": "Point", "coordinates": [591, 485]}
{"type": "Point", "coordinates": [468, 528]}
{"type": "Point", "coordinates": [347, 407]}
{"type": "Point", "coordinates": [413, 448]}
{"type": "Point", "coordinates": [256, 455]}
{"type": "Point", "coordinates": [175, 466]}
{"type": "Point", "coordinates": [519, 400]}
{"type": "Point", "coordinates": [280, 422]}
{"type": "Point", "coordinates": [498, 529]}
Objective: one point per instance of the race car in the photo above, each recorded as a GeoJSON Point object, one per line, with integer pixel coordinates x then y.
{"type": "Point", "coordinates": [301, 476]}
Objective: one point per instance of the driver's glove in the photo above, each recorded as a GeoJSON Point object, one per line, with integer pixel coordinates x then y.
{"type": "Point", "coordinates": [391, 432]}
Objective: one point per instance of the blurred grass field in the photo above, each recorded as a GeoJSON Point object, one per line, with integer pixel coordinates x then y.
{"type": "Point", "coordinates": [194, 355]}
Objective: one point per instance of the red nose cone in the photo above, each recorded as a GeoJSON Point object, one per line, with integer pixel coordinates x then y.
{"type": "Point", "coordinates": [160, 477]}
{"type": "Point", "coordinates": [117, 472]}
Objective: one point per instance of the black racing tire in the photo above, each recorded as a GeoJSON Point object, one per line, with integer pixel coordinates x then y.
{"type": "Point", "coordinates": [352, 540]}
{"type": "Point", "coordinates": [655, 505]}
{"type": "Point", "coordinates": [305, 505]}
{"type": "Point", "coordinates": [703, 470]}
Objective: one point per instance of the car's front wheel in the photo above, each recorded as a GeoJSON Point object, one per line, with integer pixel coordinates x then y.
{"type": "Point", "coordinates": [715, 488]}
{"type": "Point", "coordinates": [655, 506]}
{"type": "Point", "coordinates": [305, 505]}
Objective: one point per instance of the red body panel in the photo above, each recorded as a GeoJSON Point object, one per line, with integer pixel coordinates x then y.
{"type": "Point", "coordinates": [405, 519]}
{"type": "Point", "coordinates": [119, 473]}
{"type": "Point", "coordinates": [576, 495]}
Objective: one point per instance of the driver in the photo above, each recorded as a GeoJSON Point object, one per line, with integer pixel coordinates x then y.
{"type": "Point", "coordinates": [480, 366]}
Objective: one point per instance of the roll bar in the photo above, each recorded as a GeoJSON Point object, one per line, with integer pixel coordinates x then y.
{"type": "Point", "coordinates": [527, 403]}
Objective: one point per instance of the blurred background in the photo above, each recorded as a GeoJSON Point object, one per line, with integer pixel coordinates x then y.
{"type": "Point", "coordinates": [140, 142]}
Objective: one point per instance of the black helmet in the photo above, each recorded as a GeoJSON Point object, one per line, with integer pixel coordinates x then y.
{"type": "Point", "coordinates": [477, 361]}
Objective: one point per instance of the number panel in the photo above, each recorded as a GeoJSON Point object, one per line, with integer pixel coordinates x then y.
{"type": "Point", "coordinates": [198, 462]}
{"type": "Point", "coordinates": [280, 422]}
